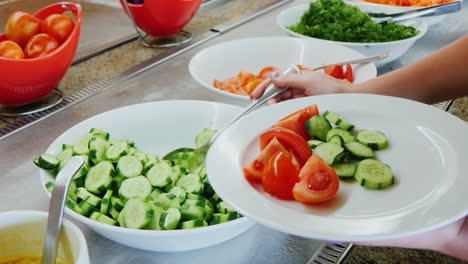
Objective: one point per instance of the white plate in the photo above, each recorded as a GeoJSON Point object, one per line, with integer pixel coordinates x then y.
{"type": "Point", "coordinates": [253, 54]}
{"type": "Point", "coordinates": [156, 127]}
{"type": "Point", "coordinates": [292, 16]}
{"type": "Point", "coordinates": [428, 153]}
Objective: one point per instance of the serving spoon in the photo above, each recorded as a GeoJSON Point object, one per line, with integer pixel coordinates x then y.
{"type": "Point", "coordinates": [56, 205]}
{"type": "Point", "coordinates": [270, 92]}
{"type": "Point", "coordinates": [423, 12]}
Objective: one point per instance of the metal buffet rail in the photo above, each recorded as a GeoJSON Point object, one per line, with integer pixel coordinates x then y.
{"type": "Point", "coordinates": [19, 178]}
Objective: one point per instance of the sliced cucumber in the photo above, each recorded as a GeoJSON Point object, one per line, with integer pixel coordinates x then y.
{"type": "Point", "coordinates": [102, 218]}
{"type": "Point", "coordinates": [167, 200]}
{"type": "Point", "coordinates": [160, 174]}
{"type": "Point", "coordinates": [338, 121]}
{"type": "Point", "coordinates": [200, 171]}
{"type": "Point", "coordinates": [97, 149]}
{"type": "Point", "coordinates": [337, 140]}
{"type": "Point", "coordinates": [74, 206]}
{"type": "Point", "coordinates": [152, 160]}
{"type": "Point", "coordinates": [360, 150]}
{"type": "Point", "coordinates": [116, 203]}
{"type": "Point", "coordinates": [154, 194]}
{"type": "Point", "coordinates": [180, 192]}
{"type": "Point", "coordinates": [137, 213]}
{"type": "Point", "coordinates": [129, 166]}
{"type": "Point", "coordinates": [117, 150]}
{"type": "Point", "coordinates": [113, 213]}
{"type": "Point", "coordinates": [101, 133]}
{"type": "Point", "coordinates": [135, 187]}
{"type": "Point", "coordinates": [344, 170]}
{"type": "Point", "coordinates": [314, 143]}
{"type": "Point", "coordinates": [104, 209]}
{"type": "Point", "coordinates": [190, 212]}
{"type": "Point", "coordinates": [223, 208]}
{"type": "Point", "coordinates": [204, 137]}
{"type": "Point", "coordinates": [373, 174]}
{"type": "Point", "coordinates": [170, 219]}
{"type": "Point", "coordinates": [86, 208]}
{"type": "Point", "coordinates": [99, 177]}
{"type": "Point", "coordinates": [81, 147]}
{"type": "Point", "coordinates": [47, 162]}
{"type": "Point", "coordinates": [318, 127]}
{"type": "Point", "coordinates": [66, 146]}
{"type": "Point", "coordinates": [63, 157]}
{"type": "Point", "coordinates": [87, 196]}
{"type": "Point", "coordinates": [154, 222]}
{"type": "Point", "coordinates": [345, 135]}
{"type": "Point", "coordinates": [193, 224]}
{"type": "Point", "coordinates": [192, 183]}
{"type": "Point", "coordinates": [189, 160]}
{"type": "Point", "coordinates": [374, 139]}
{"type": "Point", "coordinates": [141, 157]}
{"type": "Point", "coordinates": [328, 152]}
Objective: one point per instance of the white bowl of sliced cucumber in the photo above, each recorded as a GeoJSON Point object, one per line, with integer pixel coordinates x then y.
{"type": "Point", "coordinates": [128, 193]}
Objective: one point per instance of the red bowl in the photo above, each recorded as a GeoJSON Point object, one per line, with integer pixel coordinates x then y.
{"type": "Point", "coordinates": [162, 18]}
{"type": "Point", "coordinates": [28, 80]}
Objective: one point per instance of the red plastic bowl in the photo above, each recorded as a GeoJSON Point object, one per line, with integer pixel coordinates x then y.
{"type": "Point", "coordinates": [28, 80]}
{"type": "Point", "coordinates": [163, 18]}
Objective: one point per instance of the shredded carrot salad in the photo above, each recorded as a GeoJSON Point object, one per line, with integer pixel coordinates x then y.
{"type": "Point", "coordinates": [413, 3]}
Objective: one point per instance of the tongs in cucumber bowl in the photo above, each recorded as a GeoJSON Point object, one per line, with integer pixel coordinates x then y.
{"type": "Point", "coordinates": [423, 12]}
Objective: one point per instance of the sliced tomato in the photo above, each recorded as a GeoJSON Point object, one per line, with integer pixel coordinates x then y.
{"type": "Point", "coordinates": [349, 73]}
{"type": "Point", "coordinates": [335, 71]}
{"type": "Point", "coordinates": [254, 171]}
{"type": "Point", "coordinates": [250, 87]}
{"type": "Point", "coordinates": [290, 139]}
{"type": "Point", "coordinates": [296, 121]}
{"type": "Point", "coordinates": [264, 72]}
{"type": "Point", "coordinates": [318, 182]}
{"type": "Point", "coordinates": [280, 176]}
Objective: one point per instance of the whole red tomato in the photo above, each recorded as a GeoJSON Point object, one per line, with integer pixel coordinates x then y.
{"type": "Point", "coordinates": [21, 27]}
{"type": "Point", "coordinates": [40, 45]}
{"type": "Point", "coordinates": [58, 26]}
{"type": "Point", "coordinates": [10, 49]}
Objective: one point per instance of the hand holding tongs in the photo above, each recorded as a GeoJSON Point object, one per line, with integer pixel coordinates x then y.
{"type": "Point", "coordinates": [423, 12]}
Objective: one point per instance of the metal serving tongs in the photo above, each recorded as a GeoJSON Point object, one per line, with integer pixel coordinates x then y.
{"type": "Point", "coordinates": [270, 92]}
{"type": "Point", "coordinates": [423, 12]}
{"type": "Point", "coordinates": [56, 205]}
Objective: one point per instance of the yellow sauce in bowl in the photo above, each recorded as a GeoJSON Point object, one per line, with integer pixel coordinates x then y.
{"type": "Point", "coordinates": [26, 259]}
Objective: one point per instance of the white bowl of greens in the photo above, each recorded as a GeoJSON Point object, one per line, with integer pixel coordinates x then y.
{"type": "Point", "coordinates": [292, 16]}
{"type": "Point", "coordinates": [128, 194]}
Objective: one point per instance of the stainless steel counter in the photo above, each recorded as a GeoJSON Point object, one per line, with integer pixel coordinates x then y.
{"type": "Point", "coordinates": [19, 178]}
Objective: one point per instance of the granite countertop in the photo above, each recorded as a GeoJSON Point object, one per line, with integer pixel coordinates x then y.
{"type": "Point", "coordinates": [119, 59]}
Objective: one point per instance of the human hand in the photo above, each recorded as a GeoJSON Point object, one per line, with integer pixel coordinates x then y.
{"type": "Point", "coordinates": [300, 85]}
{"type": "Point", "coordinates": [451, 239]}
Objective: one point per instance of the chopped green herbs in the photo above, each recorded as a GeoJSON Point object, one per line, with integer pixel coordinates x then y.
{"type": "Point", "coordinates": [337, 21]}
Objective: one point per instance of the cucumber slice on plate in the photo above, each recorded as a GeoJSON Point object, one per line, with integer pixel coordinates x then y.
{"type": "Point", "coordinates": [117, 149]}
{"type": "Point", "coordinates": [160, 174]}
{"type": "Point", "coordinates": [105, 202]}
{"type": "Point", "coordinates": [193, 224]}
{"type": "Point", "coordinates": [92, 199]}
{"type": "Point", "coordinates": [328, 152]}
{"type": "Point", "coordinates": [344, 170]}
{"type": "Point", "coordinates": [376, 140]}
{"type": "Point", "coordinates": [337, 140]}
{"type": "Point", "coordinates": [170, 219]}
{"type": "Point", "coordinates": [313, 143]}
{"type": "Point", "coordinates": [137, 213]}
{"type": "Point", "coordinates": [99, 177]}
{"type": "Point", "coordinates": [47, 162]}
{"type": "Point", "coordinates": [190, 212]}
{"type": "Point", "coordinates": [97, 149]}
{"type": "Point", "coordinates": [345, 135]}
{"type": "Point", "coordinates": [129, 166]}
{"type": "Point", "coordinates": [373, 174]}
{"type": "Point", "coordinates": [318, 127]}
{"type": "Point", "coordinates": [360, 150]}
{"type": "Point", "coordinates": [338, 121]}
{"type": "Point", "coordinates": [135, 187]}
{"type": "Point", "coordinates": [204, 137]}
{"type": "Point", "coordinates": [192, 183]}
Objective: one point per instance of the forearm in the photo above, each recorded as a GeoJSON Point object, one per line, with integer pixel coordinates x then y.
{"type": "Point", "coordinates": [438, 77]}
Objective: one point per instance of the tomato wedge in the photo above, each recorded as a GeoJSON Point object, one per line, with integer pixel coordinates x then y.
{"type": "Point", "coordinates": [264, 72]}
{"type": "Point", "coordinates": [290, 140]}
{"type": "Point", "coordinates": [349, 73]}
{"type": "Point", "coordinates": [335, 71]}
{"type": "Point", "coordinates": [318, 182]}
{"type": "Point", "coordinates": [280, 176]}
{"type": "Point", "coordinates": [254, 171]}
{"type": "Point", "coordinates": [296, 121]}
